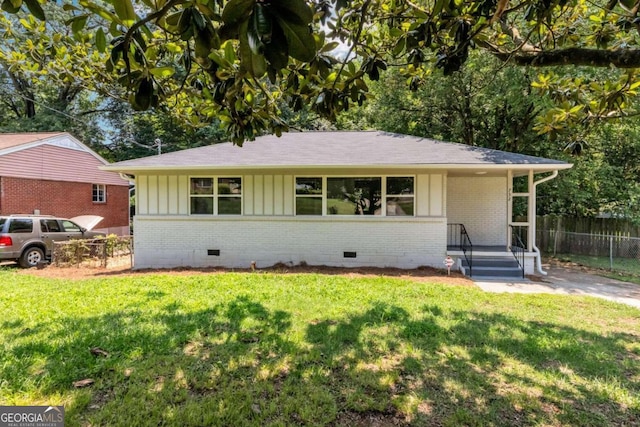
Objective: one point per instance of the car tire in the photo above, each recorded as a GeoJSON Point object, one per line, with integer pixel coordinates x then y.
{"type": "Point", "coordinates": [31, 257]}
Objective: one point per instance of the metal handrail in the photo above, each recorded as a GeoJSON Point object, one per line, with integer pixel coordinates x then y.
{"type": "Point", "coordinates": [517, 249]}
{"type": "Point", "coordinates": [458, 237]}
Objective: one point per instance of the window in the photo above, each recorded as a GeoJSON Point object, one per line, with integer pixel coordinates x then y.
{"type": "Point", "coordinates": [383, 196]}
{"type": "Point", "coordinates": [70, 226]}
{"type": "Point", "coordinates": [308, 196]}
{"type": "Point", "coordinates": [354, 196]}
{"type": "Point", "coordinates": [20, 226]}
{"type": "Point", "coordinates": [49, 225]}
{"type": "Point", "coordinates": [99, 193]}
{"type": "Point", "coordinates": [400, 196]}
{"type": "Point", "coordinates": [216, 196]}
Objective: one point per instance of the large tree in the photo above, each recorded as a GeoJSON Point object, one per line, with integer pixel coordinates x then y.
{"type": "Point", "coordinates": [234, 59]}
{"type": "Point", "coordinates": [491, 105]}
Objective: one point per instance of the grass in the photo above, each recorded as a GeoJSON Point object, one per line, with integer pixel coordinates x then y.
{"type": "Point", "coordinates": [626, 269]}
{"type": "Point", "coordinates": [273, 349]}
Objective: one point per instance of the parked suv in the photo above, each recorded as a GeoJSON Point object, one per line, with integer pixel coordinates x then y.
{"type": "Point", "coordinates": [28, 239]}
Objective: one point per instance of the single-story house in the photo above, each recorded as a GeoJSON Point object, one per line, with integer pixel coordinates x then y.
{"type": "Point", "coordinates": [333, 198]}
{"type": "Point", "coordinates": [52, 173]}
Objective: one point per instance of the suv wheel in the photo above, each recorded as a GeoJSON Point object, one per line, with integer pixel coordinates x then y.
{"type": "Point", "coordinates": [31, 257]}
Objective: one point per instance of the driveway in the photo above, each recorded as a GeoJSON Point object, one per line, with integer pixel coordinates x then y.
{"type": "Point", "coordinates": [563, 280]}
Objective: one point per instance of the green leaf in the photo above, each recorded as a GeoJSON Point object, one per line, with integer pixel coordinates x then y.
{"type": "Point", "coordinates": [35, 9]}
{"type": "Point", "coordinates": [237, 11]}
{"type": "Point", "coordinates": [229, 52]}
{"type": "Point", "coordinates": [163, 72]}
{"type": "Point", "coordinates": [329, 47]}
{"type": "Point", "coordinates": [124, 10]}
{"type": "Point", "coordinates": [302, 44]}
{"type": "Point", "coordinates": [101, 40]}
{"type": "Point", "coordinates": [100, 11]}
{"type": "Point", "coordinates": [174, 19]}
{"type": "Point", "coordinates": [295, 11]}
{"type": "Point", "coordinates": [9, 6]}
{"type": "Point", "coordinates": [78, 23]}
{"type": "Point", "coordinates": [256, 65]}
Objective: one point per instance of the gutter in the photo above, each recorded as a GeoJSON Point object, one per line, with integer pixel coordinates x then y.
{"type": "Point", "coordinates": [533, 223]}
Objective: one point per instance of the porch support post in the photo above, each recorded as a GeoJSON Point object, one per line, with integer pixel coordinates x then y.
{"type": "Point", "coordinates": [509, 206]}
{"type": "Point", "coordinates": [531, 214]}
{"type": "Point", "coordinates": [532, 225]}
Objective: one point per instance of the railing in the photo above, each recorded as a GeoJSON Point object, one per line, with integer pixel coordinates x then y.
{"type": "Point", "coordinates": [518, 248]}
{"type": "Point", "coordinates": [458, 238]}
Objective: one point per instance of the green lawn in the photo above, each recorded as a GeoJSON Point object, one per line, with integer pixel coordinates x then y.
{"type": "Point", "coordinates": [267, 349]}
{"type": "Point", "coordinates": [627, 269]}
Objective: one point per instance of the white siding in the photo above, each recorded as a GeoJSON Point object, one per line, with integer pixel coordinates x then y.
{"type": "Point", "coordinates": [481, 205]}
{"type": "Point", "coordinates": [436, 194]}
{"type": "Point", "coordinates": [172, 241]}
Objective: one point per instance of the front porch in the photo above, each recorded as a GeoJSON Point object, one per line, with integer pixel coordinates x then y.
{"type": "Point", "coordinates": [491, 224]}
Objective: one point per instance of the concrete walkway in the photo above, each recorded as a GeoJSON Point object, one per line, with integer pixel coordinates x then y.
{"type": "Point", "coordinates": [562, 280]}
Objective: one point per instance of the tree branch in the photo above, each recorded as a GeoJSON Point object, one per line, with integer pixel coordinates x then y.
{"type": "Point", "coordinates": [620, 58]}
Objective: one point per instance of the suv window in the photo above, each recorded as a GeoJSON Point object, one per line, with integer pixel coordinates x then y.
{"type": "Point", "coordinates": [2, 221]}
{"type": "Point", "coordinates": [50, 225]}
{"type": "Point", "coordinates": [70, 226]}
{"type": "Point", "coordinates": [20, 225]}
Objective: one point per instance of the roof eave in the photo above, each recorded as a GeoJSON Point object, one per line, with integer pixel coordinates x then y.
{"type": "Point", "coordinates": [542, 167]}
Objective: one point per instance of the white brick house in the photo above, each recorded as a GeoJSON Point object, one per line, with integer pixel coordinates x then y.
{"type": "Point", "coordinates": [327, 198]}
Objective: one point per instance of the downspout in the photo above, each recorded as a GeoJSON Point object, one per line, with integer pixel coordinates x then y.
{"type": "Point", "coordinates": [533, 223]}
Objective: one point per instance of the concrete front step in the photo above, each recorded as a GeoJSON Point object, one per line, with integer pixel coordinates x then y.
{"type": "Point", "coordinates": [492, 262]}
{"type": "Point", "coordinates": [493, 268]}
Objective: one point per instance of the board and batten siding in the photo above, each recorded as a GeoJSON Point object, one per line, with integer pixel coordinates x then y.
{"type": "Point", "coordinates": [266, 194]}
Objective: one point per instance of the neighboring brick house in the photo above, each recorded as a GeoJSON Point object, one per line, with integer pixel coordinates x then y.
{"type": "Point", "coordinates": [335, 198]}
{"type": "Point", "coordinates": [55, 174]}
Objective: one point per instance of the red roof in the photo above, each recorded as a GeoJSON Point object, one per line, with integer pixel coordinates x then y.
{"type": "Point", "coordinates": [55, 156]}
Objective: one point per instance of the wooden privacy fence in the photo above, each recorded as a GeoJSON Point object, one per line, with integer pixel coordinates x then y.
{"type": "Point", "coordinates": [91, 251]}
{"type": "Point", "coordinates": [599, 226]}
{"type": "Point", "coordinates": [553, 242]}
{"type": "Point", "coordinates": [616, 253]}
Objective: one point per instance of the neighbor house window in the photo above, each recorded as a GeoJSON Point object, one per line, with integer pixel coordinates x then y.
{"type": "Point", "coordinates": [400, 199]}
{"type": "Point", "coordinates": [308, 196]}
{"type": "Point", "coordinates": [99, 193]}
{"type": "Point", "coordinates": [354, 196]}
{"type": "Point", "coordinates": [219, 196]}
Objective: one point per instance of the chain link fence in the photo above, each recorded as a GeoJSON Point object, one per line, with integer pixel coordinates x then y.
{"type": "Point", "coordinates": [615, 253]}
{"type": "Point", "coordinates": [98, 252]}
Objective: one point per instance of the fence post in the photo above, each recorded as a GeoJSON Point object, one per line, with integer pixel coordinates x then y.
{"type": "Point", "coordinates": [611, 253]}
{"type": "Point", "coordinates": [104, 253]}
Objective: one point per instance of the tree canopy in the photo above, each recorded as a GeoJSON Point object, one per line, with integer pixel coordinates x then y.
{"type": "Point", "coordinates": [491, 105]}
{"type": "Point", "coordinates": [240, 60]}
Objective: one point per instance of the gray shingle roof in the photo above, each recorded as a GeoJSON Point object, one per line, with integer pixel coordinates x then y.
{"type": "Point", "coordinates": [332, 149]}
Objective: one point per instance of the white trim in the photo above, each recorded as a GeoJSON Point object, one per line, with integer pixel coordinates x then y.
{"type": "Point", "coordinates": [292, 218]}
{"type": "Point", "coordinates": [101, 189]}
{"type": "Point", "coordinates": [538, 168]}
{"type": "Point", "coordinates": [64, 140]}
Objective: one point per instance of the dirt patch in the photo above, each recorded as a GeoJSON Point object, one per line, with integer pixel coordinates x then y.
{"type": "Point", "coordinates": [122, 268]}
